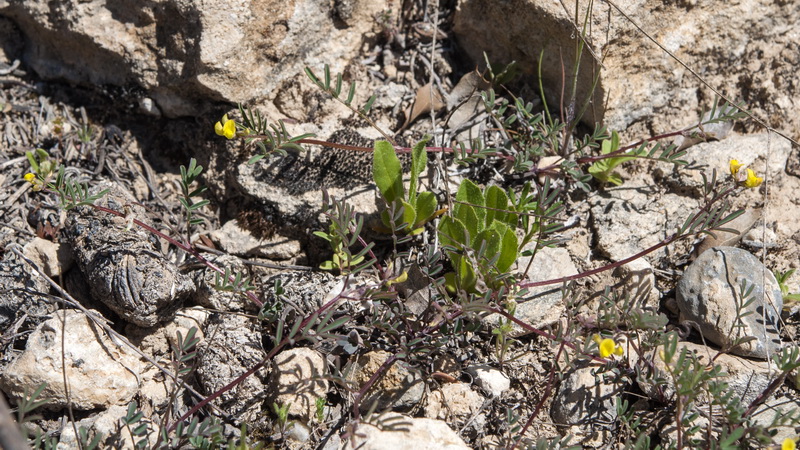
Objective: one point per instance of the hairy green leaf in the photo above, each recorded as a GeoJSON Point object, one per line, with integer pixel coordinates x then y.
{"type": "Point", "coordinates": [386, 171]}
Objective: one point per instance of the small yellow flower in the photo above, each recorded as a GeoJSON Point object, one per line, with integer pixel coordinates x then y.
{"type": "Point", "coordinates": [735, 166]}
{"type": "Point", "coordinates": [788, 444]}
{"type": "Point", "coordinates": [752, 180]}
{"type": "Point", "coordinates": [30, 177]}
{"type": "Point", "coordinates": [608, 347]}
{"type": "Point", "coordinates": [226, 127]}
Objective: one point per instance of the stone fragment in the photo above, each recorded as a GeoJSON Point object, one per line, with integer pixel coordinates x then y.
{"type": "Point", "coordinates": [209, 296]}
{"type": "Point", "coordinates": [541, 306]}
{"type": "Point", "coordinates": [236, 240]}
{"type": "Point", "coordinates": [100, 371]}
{"type": "Point", "coordinates": [234, 349]}
{"type": "Point", "coordinates": [401, 387]}
{"type": "Point", "coordinates": [745, 377]}
{"type": "Point", "coordinates": [19, 296]}
{"type": "Point", "coordinates": [453, 403]}
{"type": "Point", "coordinates": [53, 258]}
{"type": "Point", "coordinates": [493, 381]}
{"type": "Point", "coordinates": [124, 267]}
{"type": "Point", "coordinates": [585, 398]}
{"type": "Point", "coordinates": [398, 432]}
{"type": "Point", "coordinates": [713, 295]}
{"type": "Point", "coordinates": [297, 380]}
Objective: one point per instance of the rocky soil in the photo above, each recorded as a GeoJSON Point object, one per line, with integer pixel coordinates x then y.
{"type": "Point", "coordinates": [102, 311]}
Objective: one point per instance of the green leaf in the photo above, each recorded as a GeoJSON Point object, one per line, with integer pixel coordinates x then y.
{"type": "Point", "coordinates": [469, 192]}
{"type": "Point", "coordinates": [496, 199]}
{"type": "Point", "coordinates": [387, 172]}
{"type": "Point", "coordinates": [469, 217]}
{"type": "Point", "coordinates": [419, 160]}
{"type": "Point", "coordinates": [426, 208]}
{"type": "Point", "coordinates": [492, 239]}
{"type": "Point", "coordinates": [509, 249]}
{"type": "Point", "coordinates": [452, 232]}
{"type": "Point", "coordinates": [466, 275]}
{"type": "Point", "coordinates": [409, 215]}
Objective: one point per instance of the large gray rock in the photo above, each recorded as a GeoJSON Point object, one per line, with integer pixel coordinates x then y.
{"type": "Point", "coordinates": [100, 371]}
{"type": "Point", "coordinates": [184, 52]}
{"type": "Point", "coordinates": [709, 296]}
{"type": "Point", "coordinates": [744, 49]}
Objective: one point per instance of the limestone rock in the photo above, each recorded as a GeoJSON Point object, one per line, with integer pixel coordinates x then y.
{"type": "Point", "coordinates": [453, 402]}
{"type": "Point", "coordinates": [402, 386]}
{"type": "Point", "coordinates": [541, 306]}
{"type": "Point", "coordinates": [18, 296]}
{"type": "Point", "coordinates": [585, 397]}
{"type": "Point", "coordinates": [297, 380]}
{"type": "Point", "coordinates": [746, 377]}
{"type": "Point", "coordinates": [53, 258]}
{"type": "Point", "coordinates": [235, 348]}
{"type": "Point", "coordinates": [186, 53]}
{"type": "Point", "coordinates": [710, 294]}
{"type": "Point", "coordinates": [236, 240]}
{"type": "Point", "coordinates": [493, 381]}
{"type": "Point", "coordinates": [407, 434]}
{"type": "Point", "coordinates": [100, 372]}
{"type": "Point", "coordinates": [745, 49]}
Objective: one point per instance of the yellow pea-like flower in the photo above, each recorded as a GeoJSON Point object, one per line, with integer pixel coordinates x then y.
{"type": "Point", "coordinates": [788, 444]}
{"type": "Point", "coordinates": [608, 347]}
{"type": "Point", "coordinates": [735, 166]}
{"type": "Point", "coordinates": [226, 127]}
{"type": "Point", "coordinates": [752, 180]}
{"type": "Point", "coordinates": [30, 177]}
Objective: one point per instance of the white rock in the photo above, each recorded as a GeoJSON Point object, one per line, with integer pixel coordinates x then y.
{"type": "Point", "coordinates": [491, 380]}
{"type": "Point", "coordinates": [585, 398]}
{"type": "Point", "coordinates": [541, 306]}
{"type": "Point", "coordinates": [410, 434]}
{"type": "Point", "coordinates": [236, 240]}
{"type": "Point", "coordinates": [454, 401]}
{"type": "Point", "coordinates": [99, 371]}
{"type": "Point", "coordinates": [298, 381]}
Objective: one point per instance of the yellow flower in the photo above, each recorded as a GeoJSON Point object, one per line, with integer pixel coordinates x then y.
{"type": "Point", "coordinates": [788, 444]}
{"type": "Point", "coordinates": [226, 127]}
{"type": "Point", "coordinates": [30, 177]}
{"type": "Point", "coordinates": [608, 347]}
{"type": "Point", "coordinates": [752, 180]}
{"type": "Point", "coordinates": [735, 166]}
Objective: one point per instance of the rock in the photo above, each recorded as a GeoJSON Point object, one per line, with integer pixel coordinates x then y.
{"type": "Point", "coordinates": [401, 387]}
{"type": "Point", "coordinates": [586, 398]}
{"type": "Point", "coordinates": [491, 380]}
{"type": "Point", "coordinates": [773, 413]}
{"type": "Point", "coordinates": [634, 217]}
{"type": "Point", "coordinates": [236, 240]}
{"type": "Point", "coordinates": [158, 341]}
{"type": "Point", "coordinates": [637, 281]}
{"type": "Point", "coordinates": [18, 296]}
{"type": "Point", "coordinates": [290, 188]}
{"type": "Point", "coordinates": [100, 372]}
{"type": "Point", "coordinates": [454, 403]}
{"type": "Point", "coordinates": [297, 380]}
{"type": "Point", "coordinates": [752, 150]}
{"type": "Point", "coordinates": [125, 269]}
{"type": "Point", "coordinates": [185, 53]}
{"type": "Point", "coordinates": [53, 258]}
{"type": "Point", "coordinates": [746, 378]}
{"type": "Point", "coordinates": [736, 45]}
{"type": "Point", "coordinates": [209, 296]}
{"type": "Point", "coordinates": [298, 432]}
{"type": "Point", "coordinates": [234, 349]}
{"type": "Point", "coordinates": [398, 432]}
{"type": "Point", "coordinates": [307, 290]}
{"type": "Point", "coordinates": [710, 290]}
{"type": "Point", "coordinates": [541, 306]}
